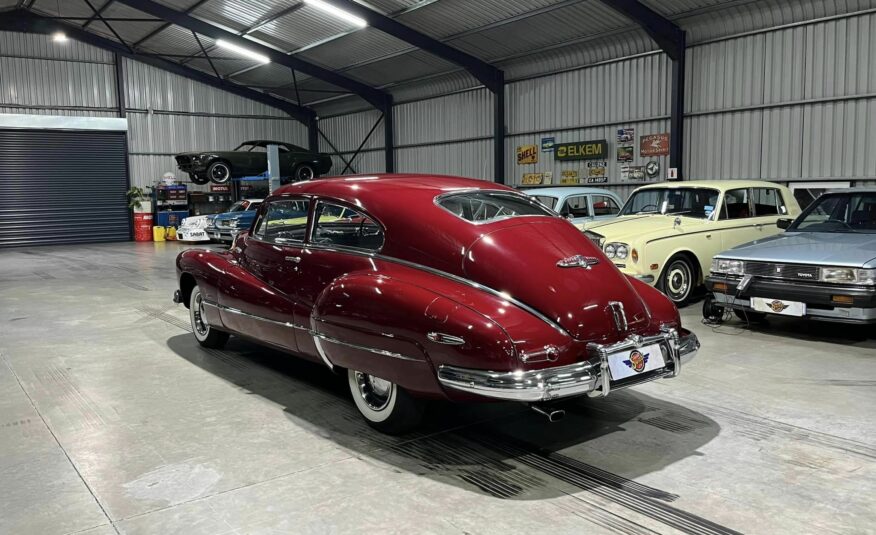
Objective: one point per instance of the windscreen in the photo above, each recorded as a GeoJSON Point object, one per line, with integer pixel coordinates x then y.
{"type": "Point", "coordinates": [839, 212]}
{"type": "Point", "coordinates": [692, 202]}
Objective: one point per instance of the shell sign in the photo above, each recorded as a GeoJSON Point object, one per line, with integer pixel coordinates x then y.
{"type": "Point", "coordinates": [527, 154]}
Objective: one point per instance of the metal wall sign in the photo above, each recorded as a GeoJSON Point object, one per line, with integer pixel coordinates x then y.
{"type": "Point", "coordinates": [527, 154]}
{"type": "Point", "coordinates": [654, 145]}
{"type": "Point", "coordinates": [625, 154]}
{"type": "Point", "coordinates": [581, 150]}
{"type": "Point", "coordinates": [532, 179]}
{"type": "Point", "coordinates": [569, 176]}
{"type": "Point", "coordinates": [547, 144]}
{"type": "Point", "coordinates": [625, 136]}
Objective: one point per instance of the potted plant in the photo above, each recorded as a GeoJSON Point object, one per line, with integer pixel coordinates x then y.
{"type": "Point", "coordinates": [139, 200]}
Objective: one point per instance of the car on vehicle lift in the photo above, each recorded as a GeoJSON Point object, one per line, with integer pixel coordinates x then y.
{"type": "Point", "coordinates": [426, 287]}
{"type": "Point", "coordinates": [250, 158]}
{"type": "Point", "coordinates": [822, 267]}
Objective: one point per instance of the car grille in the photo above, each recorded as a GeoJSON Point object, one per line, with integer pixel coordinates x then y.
{"type": "Point", "coordinates": [182, 160]}
{"type": "Point", "coordinates": [595, 238]}
{"type": "Point", "coordinates": [782, 271]}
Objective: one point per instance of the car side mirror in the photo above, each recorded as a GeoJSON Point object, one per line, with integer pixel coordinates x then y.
{"type": "Point", "coordinates": [784, 222]}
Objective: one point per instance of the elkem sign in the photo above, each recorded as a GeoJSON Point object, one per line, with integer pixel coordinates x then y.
{"type": "Point", "coordinates": [581, 150]}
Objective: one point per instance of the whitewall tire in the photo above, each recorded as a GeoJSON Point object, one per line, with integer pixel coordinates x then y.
{"type": "Point", "coordinates": [206, 335]}
{"type": "Point", "coordinates": [385, 406]}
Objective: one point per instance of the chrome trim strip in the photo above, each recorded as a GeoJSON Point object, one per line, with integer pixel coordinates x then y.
{"type": "Point", "coordinates": [381, 352]}
{"type": "Point", "coordinates": [321, 351]}
{"type": "Point", "coordinates": [317, 336]}
{"type": "Point", "coordinates": [449, 276]}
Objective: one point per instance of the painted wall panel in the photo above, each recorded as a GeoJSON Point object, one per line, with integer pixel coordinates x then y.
{"type": "Point", "coordinates": [469, 159]}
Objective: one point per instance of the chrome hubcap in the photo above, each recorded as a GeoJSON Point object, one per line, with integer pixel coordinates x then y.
{"type": "Point", "coordinates": [198, 321]}
{"type": "Point", "coordinates": [375, 391]}
{"type": "Point", "coordinates": [678, 281]}
{"type": "Point", "coordinates": [305, 173]}
{"type": "Point", "coordinates": [220, 172]}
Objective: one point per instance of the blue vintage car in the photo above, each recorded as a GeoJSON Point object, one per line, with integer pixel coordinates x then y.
{"type": "Point", "coordinates": [822, 267]}
{"type": "Point", "coordinates": [239, 217]}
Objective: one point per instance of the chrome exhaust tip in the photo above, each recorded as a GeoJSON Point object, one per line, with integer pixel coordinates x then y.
{"type": "Point", "coordinates": [553, 415]}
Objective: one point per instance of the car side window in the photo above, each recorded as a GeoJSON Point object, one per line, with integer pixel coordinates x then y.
{"type": "Point", "coordinates": [284, 221]}
{"type": "Point", "coordinates": [604, 205]}
{"type": "Point", "coordinates": [767, 202]}
{"type": "Point", "coordinates": [343, 226]}
{"type": "Point", "coordinates": [736, 204]}
{"type": "Point", "coordinates": [576, 206]}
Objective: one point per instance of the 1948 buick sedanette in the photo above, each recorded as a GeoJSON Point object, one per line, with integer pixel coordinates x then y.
{"type": "Point", "coordinates": [428, 287]}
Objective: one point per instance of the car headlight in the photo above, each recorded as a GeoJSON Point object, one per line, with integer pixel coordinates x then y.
{"type": "Point", "coordinates": [617, 250]}
{"type": "Point", "coordinates": [728, 267]}
{"type": "Point", "coordinates": [848, 275]}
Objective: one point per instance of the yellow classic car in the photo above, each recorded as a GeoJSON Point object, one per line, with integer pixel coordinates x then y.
{"type": "Point", "coordinates": [666, 234]}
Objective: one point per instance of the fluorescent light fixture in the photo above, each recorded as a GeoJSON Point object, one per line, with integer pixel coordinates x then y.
{"type": "Point", "coordinates": [337, 12]}
{"type": "Point", "coordinates": [221, 43]}
{"type": "Point", "coordinates": [59, 37]}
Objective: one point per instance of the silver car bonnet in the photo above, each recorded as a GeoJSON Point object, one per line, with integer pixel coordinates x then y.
{"type": "Point", "coordinates": [846, 249]}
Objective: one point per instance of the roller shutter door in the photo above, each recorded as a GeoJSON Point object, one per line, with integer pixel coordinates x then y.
{"type": "Point", "coordinates": [60, 187]}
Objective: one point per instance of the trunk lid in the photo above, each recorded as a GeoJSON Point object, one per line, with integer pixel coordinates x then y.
{"type": "Point", "coordinates": [521, 259]}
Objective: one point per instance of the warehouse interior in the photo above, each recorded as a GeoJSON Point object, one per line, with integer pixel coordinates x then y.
{"type": "Point", "coordinates": [115, 419]}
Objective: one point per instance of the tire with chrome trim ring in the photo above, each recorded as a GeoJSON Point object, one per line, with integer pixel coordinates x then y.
{"type": "Point", "coordinates": [219, 172]}
{"type": "Point", "coordinates": [386, 406]}
{"type": "Point", "coordinates": [206, 335]}
{"type": "Point", "coordinates": [304, 172]}
{"type": "Point", "coordinates": [678, 279]}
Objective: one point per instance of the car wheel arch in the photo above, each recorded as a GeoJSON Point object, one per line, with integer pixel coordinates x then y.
{"type": "Point", "coordinates": [187, 283]}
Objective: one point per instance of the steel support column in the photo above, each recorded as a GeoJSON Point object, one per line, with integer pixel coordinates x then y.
{"type": "Point", "coordinates": [313, 135]}
{"type": "Point", "coordinates": [499, 134]}
{"type": "Point", "coordinates": [389, 136]}
{"type": "Point", "coordinates": [672, 40]}
{"type": "Point", "coordinates": [676, 122]}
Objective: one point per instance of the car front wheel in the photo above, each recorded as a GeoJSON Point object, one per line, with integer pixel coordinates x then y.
{"type": "Point", "coordinates": [206, 335]}
{"type": "Point", "coordinates": [219, 172]}
{"type": "Point", "coordinates": [677, 280]}
{"type": "Point", "coordinates": [385, 406]}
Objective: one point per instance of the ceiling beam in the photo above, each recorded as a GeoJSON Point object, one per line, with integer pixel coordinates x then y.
{"type": "Point", "coordinates": [97, 14]}
{"type": "Point", "coordinates": [28, 22]}
{"type": "Point", "coordinates": [663, 31]}
{"type": "Point", "coordinates": [487, 74]}
{"type": "Point", "coordinates": [672, 39]}
{"type": "Point", "coordinates": [166, 25]}
{"type": "Point", "coordinates": [375, 97]}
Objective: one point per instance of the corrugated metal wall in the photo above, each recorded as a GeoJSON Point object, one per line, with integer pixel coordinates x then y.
{"type": "Point", "coordinates": [166, 113]}
{"type": "Point", "coordinates": [788, 103]}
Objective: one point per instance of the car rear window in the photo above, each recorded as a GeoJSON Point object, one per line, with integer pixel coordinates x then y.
{"type": "Point", "coordinates": [484, 206]}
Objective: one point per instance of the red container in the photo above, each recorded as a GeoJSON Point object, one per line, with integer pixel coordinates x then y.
{"type": "Point", "coordinates": [142, 227]}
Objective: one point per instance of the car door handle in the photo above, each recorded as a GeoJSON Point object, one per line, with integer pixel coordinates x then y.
{"type": "Point", "coordinates": [295, 259]}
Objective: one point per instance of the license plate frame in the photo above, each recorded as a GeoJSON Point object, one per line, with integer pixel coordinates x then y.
{"type": "Point", "coordinates": [625, 364]}
{"type": "Point", "coordinates": [779, 307]}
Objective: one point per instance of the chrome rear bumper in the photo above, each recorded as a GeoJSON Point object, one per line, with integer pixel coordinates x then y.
{"type": "Point", "coordinates": [590, 377]}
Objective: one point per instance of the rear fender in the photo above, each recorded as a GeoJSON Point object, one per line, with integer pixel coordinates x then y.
{"type": "Point", "coordinates": [402, 332]}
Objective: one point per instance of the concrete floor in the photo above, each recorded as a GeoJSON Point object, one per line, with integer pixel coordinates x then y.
{"type": "Point", "coordinates": [113, 420]}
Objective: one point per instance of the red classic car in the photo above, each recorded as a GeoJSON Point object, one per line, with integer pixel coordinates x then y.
{"type": "Point", "coordinates": [430, 287]}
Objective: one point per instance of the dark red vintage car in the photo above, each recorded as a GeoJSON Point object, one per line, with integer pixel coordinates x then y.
{"type": "Point", "coordinates": [430, 287]}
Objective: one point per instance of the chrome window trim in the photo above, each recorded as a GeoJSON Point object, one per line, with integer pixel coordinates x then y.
{"type": "Point", "coordinates": [329, 200]}
{"type": "Point", "coordinates": [528, 198]}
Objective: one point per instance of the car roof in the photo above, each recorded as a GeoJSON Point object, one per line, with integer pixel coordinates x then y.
{"type": "Point", "coordinates": [714, 184]}
{"type": "Point", "coordinates": [862, 189]}
{"type": "Point", "coordinates": [561, 191]}
{"type": "Point", "coordinates": [266, 142]}
{"type": "Point", "coordinates": [253, 200]}
{"type": "Point", "coordinates": [381, 186]}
